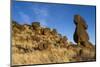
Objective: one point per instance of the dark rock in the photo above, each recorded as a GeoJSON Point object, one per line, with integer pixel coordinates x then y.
{"type": "Point", "coordinates": [80, 34]}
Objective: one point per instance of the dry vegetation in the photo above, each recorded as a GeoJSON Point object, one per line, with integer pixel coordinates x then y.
{"type": "Point", "coordinates": [33, 44]}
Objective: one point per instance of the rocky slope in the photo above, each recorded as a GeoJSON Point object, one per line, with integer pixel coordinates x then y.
{"type": "Point", "coordinates": [33, 44]}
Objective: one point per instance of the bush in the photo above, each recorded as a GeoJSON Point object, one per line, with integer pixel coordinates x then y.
{"type": "Point", "coordinates": [15, 24]}
{"type": "Point", "coordinates": [35, 25]}
{"type": "Point", "coordinates": [46, 31]}
{"type": "Point", "coordinates": [65, 38]}
{"type": "Point", "coordinates": [54, 31]}
{"type": "Point", "coordinates": [43, 45]}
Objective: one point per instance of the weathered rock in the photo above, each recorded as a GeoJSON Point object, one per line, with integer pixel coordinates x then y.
{"type": "Point", "coordinates": [81, 37]}
{"type": "Point", "coordinates": [80, 34]}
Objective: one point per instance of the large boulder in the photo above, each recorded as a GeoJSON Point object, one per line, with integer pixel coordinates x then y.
{"type": "Point", "coordinates": [81, 37]}
{"type": "Point", "coordinates": [80, 34]}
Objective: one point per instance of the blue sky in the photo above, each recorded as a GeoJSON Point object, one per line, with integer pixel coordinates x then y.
{"type": "Point", "coordinates": [58, 16]}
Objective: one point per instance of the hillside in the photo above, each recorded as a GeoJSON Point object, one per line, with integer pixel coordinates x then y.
{"type": "Point", "coordinates": [34, 44]}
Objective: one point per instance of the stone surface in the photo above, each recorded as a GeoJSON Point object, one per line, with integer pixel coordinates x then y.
{"type": "Point", "coordinates": [81, 37]}
{"type": "Point", "coordinates": [80, 34]}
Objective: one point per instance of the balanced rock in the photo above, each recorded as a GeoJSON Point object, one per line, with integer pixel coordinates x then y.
{"type": "Point", "coordinates": [80, 34]}
{"type": "Point", "coordinates": [82, 39]}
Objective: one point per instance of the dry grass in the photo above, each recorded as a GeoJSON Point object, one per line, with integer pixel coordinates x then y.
{"type": "Point", "coordinates": [42, 57]}
{"type": "Point", "coordinates": [38, 45]}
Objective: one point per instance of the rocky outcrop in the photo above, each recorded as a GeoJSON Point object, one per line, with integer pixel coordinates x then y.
{"type": "Point", "coordinates": [81, 37]}
{"type": "Point", "coordinates": [80, 34]}
{"type": "Point", "coordinates": [33, 44]}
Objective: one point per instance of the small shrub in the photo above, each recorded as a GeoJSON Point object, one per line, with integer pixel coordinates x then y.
{"type": "Point", "coordinates": [36, 25]}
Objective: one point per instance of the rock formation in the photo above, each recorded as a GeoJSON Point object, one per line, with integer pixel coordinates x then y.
{"type": "Point", "coordinates": [33, 44]}
{"type": "Point", "coordinates": [80, 34]}
{"type": "Point", "coordinates": [81, 37]}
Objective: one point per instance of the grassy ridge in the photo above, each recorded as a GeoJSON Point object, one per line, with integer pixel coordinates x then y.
{"type": "Point", "coordinates": [33, 44]}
